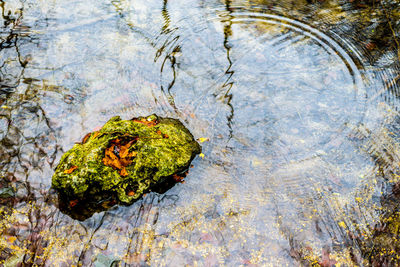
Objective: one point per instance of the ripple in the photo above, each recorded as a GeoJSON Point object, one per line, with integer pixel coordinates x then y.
{"type": "Point", "coordinates": [301, 122]}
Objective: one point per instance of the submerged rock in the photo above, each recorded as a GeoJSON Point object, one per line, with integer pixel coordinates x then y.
{"type": "Point", "coordinates": [123, 160]}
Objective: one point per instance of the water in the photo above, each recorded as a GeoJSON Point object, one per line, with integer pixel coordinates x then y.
{"type": "Point", "coordinates": [298, 100]}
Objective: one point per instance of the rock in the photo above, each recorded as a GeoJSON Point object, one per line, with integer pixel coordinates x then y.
{"type": "Point", "coordinates": [123, 160]}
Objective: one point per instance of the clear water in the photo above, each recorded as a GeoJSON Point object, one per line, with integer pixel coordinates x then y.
{"type": "Point", "coordinates": [298, 100]}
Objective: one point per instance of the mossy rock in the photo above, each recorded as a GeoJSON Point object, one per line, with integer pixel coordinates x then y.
{"type": "Point", "coordinates": [124, 159]}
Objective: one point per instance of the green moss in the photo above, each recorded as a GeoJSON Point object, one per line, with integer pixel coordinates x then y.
{"type": "Point", "coordinates": [162, 147]}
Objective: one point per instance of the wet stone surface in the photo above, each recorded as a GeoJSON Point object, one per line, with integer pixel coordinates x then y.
{"type": "Point", "coordinates": [122, 161]}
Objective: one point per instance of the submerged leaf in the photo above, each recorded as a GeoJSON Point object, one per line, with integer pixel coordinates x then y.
{"type": "Point", "coordinates": [6, 192]}
{"type": "Point", "coordinates": [203, 139]}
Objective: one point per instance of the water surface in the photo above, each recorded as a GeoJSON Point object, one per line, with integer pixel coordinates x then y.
{"type": "Point", "coordinates": [297, 98]}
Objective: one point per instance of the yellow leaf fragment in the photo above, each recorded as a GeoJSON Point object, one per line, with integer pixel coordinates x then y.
{"type": "Point", "coordinates": [11, 239]}
{"type": "Point", "coordinates": [256, 162]}
{"type": "Point", "coordinates": [13, 247]}
{"type": "Point", "coordinates": [96, 134]}
{"type": "Point", "coordinates": [203, 139]}
{"type": "Point", "coordinates": [342, 224]}
{"type": "Point", "coordinates": [201, 155]}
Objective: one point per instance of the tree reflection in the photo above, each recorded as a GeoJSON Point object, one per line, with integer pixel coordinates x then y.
{"type": "Point", "coordinates": [170, 47]}
{"type": "Point", "coordinates": [28, 144]}
{"type": "Point", "coordinates": [371, 27]}
{"type": "Point", "coordinates": [228, 83]}
{"type": "Point", "coordinates": [9, 40]}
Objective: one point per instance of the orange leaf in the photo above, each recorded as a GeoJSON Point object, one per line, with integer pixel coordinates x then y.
{"type": "Point", "coordinates": [96, 134]}
{"type": "Point", "coordinates": [84, 140]}
{"type": "Point", "coordinates": [73, 203]}
{"type": "Point", "coordinates": [125, 161]}
{"type": "Point", "coordinates": [145, 122]}
{"type": "Point", "coordinates": [124, 150]}
{"type": "Point", "coordinates": [178, 178]}
{"type": "Point", "coordinates": [110, 159]}
{"type": "Point", "coordinates": [131, 193]}
{"type": "Point", "coordinates": [123, 172]}
{"type": "Point", "coordinates": [70, 170]}
{"type": "Point", "coordinates": [122, 158]}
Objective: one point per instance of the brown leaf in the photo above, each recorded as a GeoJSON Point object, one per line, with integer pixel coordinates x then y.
{"type": "Point", "coordinates": [71, 170]}
{"type": "Point", "coordinates": [177, 178]}
{"type": "Point", "coordinates": [125, 161]}
{"type": "Point", "coordinates": [118, 156]}
{"type": "Point", "coordinates": [86, 137]}
{"type": "Point", "coordinates": [116, 141]}
{"type": "Point", "coordinates": [146, 122]}
{"type": "Point", "coordinates": [110, 159]}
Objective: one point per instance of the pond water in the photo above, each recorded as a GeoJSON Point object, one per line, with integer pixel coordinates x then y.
{"type": "Point", "coordinates": [298, 100]}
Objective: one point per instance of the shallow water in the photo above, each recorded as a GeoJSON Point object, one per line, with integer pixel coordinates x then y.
{"type": "Point", "coordinates": [298, 100]}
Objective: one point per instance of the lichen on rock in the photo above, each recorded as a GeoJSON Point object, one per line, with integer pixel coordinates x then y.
{"type": "Point", "coordinates": [125, 159]}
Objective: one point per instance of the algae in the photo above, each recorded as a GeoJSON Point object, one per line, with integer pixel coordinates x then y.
{"type": "Point", "coordinates": [123, 160]}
